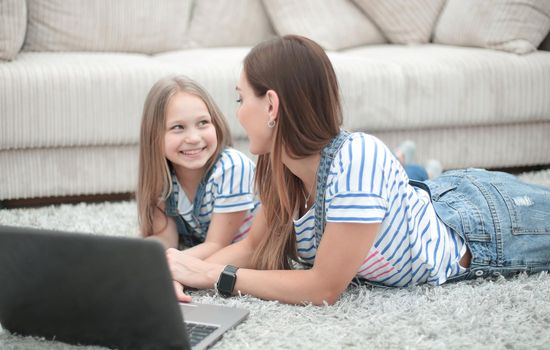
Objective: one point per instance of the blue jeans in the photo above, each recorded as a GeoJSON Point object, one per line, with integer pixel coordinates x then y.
{"type": "Point", "coordinates": [505, 222]}
{"type": "Point", "coordinates": [416, 172]}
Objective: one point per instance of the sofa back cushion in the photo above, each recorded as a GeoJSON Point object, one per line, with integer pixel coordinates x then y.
{"type": "Point", "coordinates": [145, 26]}
{"type": "Point", "coordinates": [403, 21]}
{"type": "Point", "coordinates": [333, 24]}
{"type": "Point", "coordinates": [13, 23]}
{"type": "Point", "coordinates": [216, 23]}
{"type": "Point", "coordinates": [517, 26]}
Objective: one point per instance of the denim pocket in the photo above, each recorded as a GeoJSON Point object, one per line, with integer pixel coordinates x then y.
{"type": "Point", "coordinates": [459, 213]}
{"type": "Point", "coordinates": [438, 191]}
{"type": "Point", "coordinates": [528, 206]}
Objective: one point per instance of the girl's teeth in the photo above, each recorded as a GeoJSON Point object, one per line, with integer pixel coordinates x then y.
{"type": "Point", "coordinates": [190, 153]}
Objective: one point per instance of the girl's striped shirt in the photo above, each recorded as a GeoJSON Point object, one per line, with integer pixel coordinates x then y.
{"type": "Point", "coordinates": [367, 184]}
{"type": "Point", "coordinates": [230, 188]}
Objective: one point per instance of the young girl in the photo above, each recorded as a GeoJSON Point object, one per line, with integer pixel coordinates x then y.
{"type": "Point", "coordinates": [193, 189]}
{"type": "Point", "coordinates": [342, 203]}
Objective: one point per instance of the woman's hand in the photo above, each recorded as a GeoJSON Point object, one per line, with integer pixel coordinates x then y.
{"type": "Point", "coordinates": [180, 295]}
{"type": "Point", "coordinates": [191, 271]}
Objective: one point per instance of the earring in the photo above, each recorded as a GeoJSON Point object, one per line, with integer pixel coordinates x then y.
{"type": "Point", "coordinates": [271, 124]}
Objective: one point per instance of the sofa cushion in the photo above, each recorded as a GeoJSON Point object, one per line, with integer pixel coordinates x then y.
{"type": "Point", "coordinates": [147, 26]}
{"type": "Point", "coordinates": [404, 21]}
{"type": "Point", "coordinates": [97, 99]}
{"type": "Point", "coordinates": [391, 87]}
{"type": "Point", "coordinates": [517, 26]}
{"type": "Point", "coordinates": [228, 23]}
{"type": "Point", "coordinates": [66, 99]}
{"type": "Point", "coordinates": [13, 23]}
{"type": "Point", "coordinates": [80, 99]}
{"type": "Point", "coordinates": [334, 24]}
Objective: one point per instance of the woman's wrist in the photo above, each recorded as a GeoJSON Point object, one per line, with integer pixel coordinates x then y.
{"type": "Point", "coordinates": [213, 274]}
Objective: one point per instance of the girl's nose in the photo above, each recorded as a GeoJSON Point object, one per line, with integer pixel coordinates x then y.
{"type": "Point", "coordinates": [192, 137]}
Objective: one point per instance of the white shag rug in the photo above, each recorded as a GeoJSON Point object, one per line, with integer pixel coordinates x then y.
{"type": "Point", "coordinates": [478, 314]}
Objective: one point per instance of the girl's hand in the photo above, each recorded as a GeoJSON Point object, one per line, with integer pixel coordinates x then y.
{"type": "Point", "coordinates": [180, 295]}
{"type": "Point", "coordinates": [191, 271]}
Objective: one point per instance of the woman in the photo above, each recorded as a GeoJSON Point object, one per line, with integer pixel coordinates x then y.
{"type": "Point", "coordinates": [342, 203]}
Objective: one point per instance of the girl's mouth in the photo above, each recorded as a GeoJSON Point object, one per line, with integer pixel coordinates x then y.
{"type": "Point", "coordinates": [192, 152]}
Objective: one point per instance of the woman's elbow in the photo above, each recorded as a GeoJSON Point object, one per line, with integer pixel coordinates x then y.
{"type": "Point", "coordinates": [327, 296]}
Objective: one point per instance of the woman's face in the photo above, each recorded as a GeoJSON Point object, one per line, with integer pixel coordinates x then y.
{"type": "Point", "coordinates": [253, 114]}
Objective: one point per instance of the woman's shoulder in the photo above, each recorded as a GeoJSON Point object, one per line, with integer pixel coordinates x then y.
{"type": "Point", "coordinates": [360, 143]}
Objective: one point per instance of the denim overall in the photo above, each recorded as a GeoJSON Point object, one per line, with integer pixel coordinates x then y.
{"type": "Point", "coordinates": [188, 237]}
{"type": "Point", "coordinates": [504, 222]}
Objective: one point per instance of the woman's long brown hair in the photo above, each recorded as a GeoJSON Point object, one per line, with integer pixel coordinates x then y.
{"type": "Point", "coordinates": [154, 181]}
{"type": "Point", "coordinates": [309, 116]}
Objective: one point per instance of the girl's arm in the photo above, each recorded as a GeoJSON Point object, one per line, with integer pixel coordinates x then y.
{"type": "Point", "coordinates": [221, 233]}
{"type": "Point", "coordinates": [165, 229]}
{"type": "Point", "coordinates": [342, 251]}
{"type": "Point", "coordinates": [240, 253]}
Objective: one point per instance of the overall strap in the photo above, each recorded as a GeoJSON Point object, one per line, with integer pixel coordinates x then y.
{"type": "Point", "coordinates": [186, 232]}
{"type": "Point", "coordinates": [327, 156]}
{"type": "Point", "coordinates": [421, 185]}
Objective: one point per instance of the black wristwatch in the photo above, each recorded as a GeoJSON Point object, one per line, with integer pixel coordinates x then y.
{"type": "Point", "coordinates": [226, 281]}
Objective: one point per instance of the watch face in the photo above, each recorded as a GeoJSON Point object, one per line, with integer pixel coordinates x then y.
{"type": "Point", "coordinates": [227, 280]}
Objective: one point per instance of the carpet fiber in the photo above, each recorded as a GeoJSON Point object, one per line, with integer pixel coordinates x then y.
{"type": "Point", "coordinates": [478, 314]}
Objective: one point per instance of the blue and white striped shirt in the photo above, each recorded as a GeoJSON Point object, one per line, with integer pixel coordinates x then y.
{"type": "Point", "coordinates": [230, 188]}
{"type": "Point", "coordinates": [367, 184]}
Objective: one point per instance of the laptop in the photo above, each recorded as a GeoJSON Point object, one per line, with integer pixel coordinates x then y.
{"type": "Point", "coordinates": [100, 290]}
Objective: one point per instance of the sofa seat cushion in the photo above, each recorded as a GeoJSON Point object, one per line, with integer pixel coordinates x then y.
{"type": "Point", "coordinates": [400, 87]}
{"type": "Point", "coordinates": [79, 99]}
{"type": "Point", "coordinates": [66, 99]}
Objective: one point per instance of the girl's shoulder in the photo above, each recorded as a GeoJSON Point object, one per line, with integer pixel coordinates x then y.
{"type": "Point", "coordinates": [233, 156]}
{"type": "Point", "coordinates": [233, 173]}
{"type": "Point", "coordinates": [232, 160]}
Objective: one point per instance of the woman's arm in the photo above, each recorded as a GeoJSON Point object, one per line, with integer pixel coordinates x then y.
{"type": "Point", "coordinates": [221, 233]}
{"type": "Point", "coordinates": [342, 251]}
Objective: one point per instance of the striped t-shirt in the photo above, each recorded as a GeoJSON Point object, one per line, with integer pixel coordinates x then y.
{"type": "Point", "coordinates": [367, 184]}
{"type": "Point", "coordinates": [230, 188]}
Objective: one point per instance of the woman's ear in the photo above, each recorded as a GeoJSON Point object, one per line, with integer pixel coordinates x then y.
{"type": "Point", "coordinates": [273, 107]}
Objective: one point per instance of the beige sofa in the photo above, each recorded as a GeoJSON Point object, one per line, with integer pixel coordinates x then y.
{"type": "Point", "coordinates": [462, 78]}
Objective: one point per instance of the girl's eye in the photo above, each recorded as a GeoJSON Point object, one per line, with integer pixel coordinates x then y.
{"type": "Point", "coordinates": [239, 99]}
{"type": "Point", "coordinates": [203, 122]}
{"type": "Point", "coordinates": [177, 127]}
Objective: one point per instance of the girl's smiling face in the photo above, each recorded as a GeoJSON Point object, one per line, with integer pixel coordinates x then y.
{"type": "Point", "coordinates": [190, 136]}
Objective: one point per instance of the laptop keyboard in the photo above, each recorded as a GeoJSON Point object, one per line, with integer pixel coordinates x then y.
{"type": "Point", "coordinates": [197, 332]}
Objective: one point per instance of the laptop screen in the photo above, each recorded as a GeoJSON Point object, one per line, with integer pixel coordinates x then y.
{"type": "Point", "coordinates": [88, 289]}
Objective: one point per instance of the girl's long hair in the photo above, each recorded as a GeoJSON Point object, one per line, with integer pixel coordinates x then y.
{"type": "Point", "coordinates": [154, 180]}
{"type": "Point", "coordinates": [309, 116]}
